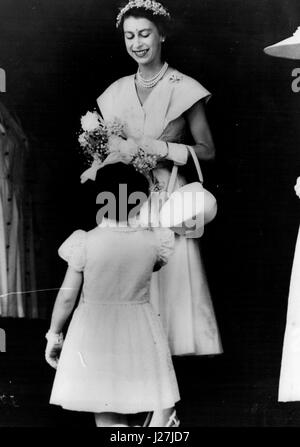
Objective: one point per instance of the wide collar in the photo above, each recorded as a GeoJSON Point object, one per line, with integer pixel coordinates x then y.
{"type": "Point", "coordinates": [169, 99]}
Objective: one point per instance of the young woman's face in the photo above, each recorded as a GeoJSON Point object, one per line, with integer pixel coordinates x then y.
{"type": "Point", "coordinates": [142, 40]}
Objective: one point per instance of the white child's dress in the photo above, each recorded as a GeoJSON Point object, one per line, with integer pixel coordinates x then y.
{"type": "Point", "coordinates": [115, 356]}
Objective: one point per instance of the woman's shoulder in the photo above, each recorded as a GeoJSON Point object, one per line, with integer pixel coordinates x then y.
{"type": "Point", "coordinates": [186, 92]}
{"type": "Point", "coordinates": [185, 84]}
{"type": "Point", "coordinates": [106, 101]}
{"type": "Point", "coordinates": [116, 85]}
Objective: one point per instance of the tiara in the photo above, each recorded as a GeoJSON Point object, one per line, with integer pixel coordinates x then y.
{"type": "Point", "coordinates": [151, 5]}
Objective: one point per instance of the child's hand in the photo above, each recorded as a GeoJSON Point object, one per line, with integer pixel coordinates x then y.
{"type": "Point", "coordinates": [53, 349]}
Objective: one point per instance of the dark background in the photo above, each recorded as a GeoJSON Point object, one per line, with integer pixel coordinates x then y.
{"type": "Point", "coordinates": [58, 57]}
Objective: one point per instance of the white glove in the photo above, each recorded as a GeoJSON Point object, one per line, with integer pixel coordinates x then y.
{"type": "Point", "coordinates": [177, 153]}
{"type": "Point", "coordinates": [53, 348]}
{"type": "Point", "coordinates": [297, 187]}
{"type": "Point", "coordinates": [126, 149]}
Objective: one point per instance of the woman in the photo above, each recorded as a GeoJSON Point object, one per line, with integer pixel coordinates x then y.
{"type": "Point", "coordinates": [289, 385]}
{"type": "Point", "coordinates": [158, 105]}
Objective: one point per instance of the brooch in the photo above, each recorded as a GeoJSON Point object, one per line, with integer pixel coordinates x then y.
{"type": "Point", "coordinates": [175, 77]}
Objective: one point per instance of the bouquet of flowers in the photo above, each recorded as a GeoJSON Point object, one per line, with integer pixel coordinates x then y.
{"type": "Point", "coordinates": [95, 136]}
{"type": "Point", "coordinates": [143, 162]}
{"type": "Point", "coordinates": [96, 143]}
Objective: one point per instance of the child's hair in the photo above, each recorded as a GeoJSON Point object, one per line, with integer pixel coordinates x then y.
{"type": "Point", "coordinates": [120, 190]}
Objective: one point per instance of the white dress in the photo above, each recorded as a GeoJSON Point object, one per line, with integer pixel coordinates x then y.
{"type": "Point", "coordinates": [115, 356]}
{"type": "Point", "coordinates": [289, 384]}
{"type": "Point", "coordinates": [179, 291]}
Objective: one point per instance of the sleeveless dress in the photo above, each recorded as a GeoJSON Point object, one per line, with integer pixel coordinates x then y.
{"type": "Point", "coordinates": [179, 291]}
{"type": "Point", "coordinates": [289, 384]}
{"type": "Point", "coordinates": [115, 356]}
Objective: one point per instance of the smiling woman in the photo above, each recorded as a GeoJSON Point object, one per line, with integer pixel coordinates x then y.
{"type": "Point", "coordinates": [143, 42]}
{"type": "Point", "coordinates": [144, 34]}
{"type": "Point", "coordinates": [159, 105]}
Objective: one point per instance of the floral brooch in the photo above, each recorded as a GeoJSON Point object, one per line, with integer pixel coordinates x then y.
{"type": "Point", "coordinates": [175, 77]}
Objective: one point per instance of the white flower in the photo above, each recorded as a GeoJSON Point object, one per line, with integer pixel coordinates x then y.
{"type": "Point", "coordinates": [90, 121]}
{"type": "Point", "coordinates": [82, 140]}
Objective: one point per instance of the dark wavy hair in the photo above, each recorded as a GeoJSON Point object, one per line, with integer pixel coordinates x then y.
{"type": "Point", "coordinates": [121, 181]}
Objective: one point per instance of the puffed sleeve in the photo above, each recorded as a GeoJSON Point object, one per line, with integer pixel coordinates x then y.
{"type": "Point", "coordinates": [166, 240]}
{"type": "Point", "coordinates": [73, 250]}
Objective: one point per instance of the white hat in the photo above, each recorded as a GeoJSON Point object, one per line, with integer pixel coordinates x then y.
{"type": "Point", "coordinates": [287, 48]}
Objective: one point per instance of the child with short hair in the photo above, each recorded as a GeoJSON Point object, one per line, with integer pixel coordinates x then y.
{"type": "Point", "coordinates": [115, 359]}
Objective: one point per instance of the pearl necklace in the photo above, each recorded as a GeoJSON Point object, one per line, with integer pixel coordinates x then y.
{"type": "Point", "coordinates": [149, 83]}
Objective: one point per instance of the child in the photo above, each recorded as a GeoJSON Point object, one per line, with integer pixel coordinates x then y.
{"type": "Point", "coordinates": [115, 360]}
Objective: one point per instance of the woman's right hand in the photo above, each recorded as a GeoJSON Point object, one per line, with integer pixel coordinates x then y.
{"type": "Point", "coordinates": [297, 187]}
{"type": "Point", "coordinates": [121, 150]}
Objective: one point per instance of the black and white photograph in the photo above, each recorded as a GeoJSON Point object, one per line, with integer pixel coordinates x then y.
{"type": "Point", "coordinates": [149, 216]}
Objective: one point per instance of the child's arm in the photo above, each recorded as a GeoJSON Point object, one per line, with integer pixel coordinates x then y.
{"type": "Point", "coordinates": [63, 307]}
{"type": "Point", "coordinates": [65, 300]}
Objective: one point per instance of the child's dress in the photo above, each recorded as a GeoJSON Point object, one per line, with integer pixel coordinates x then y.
{"type": "Point", "coordinates": [115, 356]}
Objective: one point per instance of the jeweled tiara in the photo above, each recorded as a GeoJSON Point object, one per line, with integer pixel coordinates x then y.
{"type": "Point", "coordinates": [151, 5]}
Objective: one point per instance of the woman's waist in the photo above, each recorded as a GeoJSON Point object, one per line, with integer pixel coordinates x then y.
{"type": "Point", "coordinates": [164, 164]}
{"type": "Point", "coordinates": [114, 302]}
